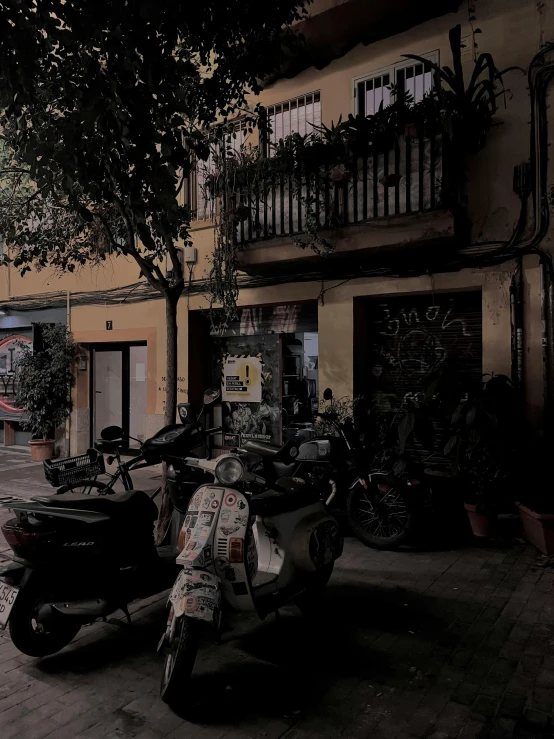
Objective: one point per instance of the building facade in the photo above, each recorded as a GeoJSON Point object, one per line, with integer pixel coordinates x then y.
{"type": "Point", "coordinates": [403, 288]}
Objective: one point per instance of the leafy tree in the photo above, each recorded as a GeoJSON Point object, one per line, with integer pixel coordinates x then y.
{"type": "Point", "coordinates": [103, 108]}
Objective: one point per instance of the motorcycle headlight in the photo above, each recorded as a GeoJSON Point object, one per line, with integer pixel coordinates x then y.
{"type": "Point", "coordinates": [229, 471]}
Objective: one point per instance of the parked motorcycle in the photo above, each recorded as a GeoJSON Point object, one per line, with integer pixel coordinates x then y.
{"type": "Point", "coordinates": [244, 547]}
{"type": "Point", "coordinates": [79, 558]}
{"type": "Point", "coordinates": [380, 506]}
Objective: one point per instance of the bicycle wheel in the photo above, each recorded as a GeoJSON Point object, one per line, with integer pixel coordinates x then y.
{"type": "Point", "coordinates": [86, 487]}
{"type": "Point", "coordinates": [383, 517]}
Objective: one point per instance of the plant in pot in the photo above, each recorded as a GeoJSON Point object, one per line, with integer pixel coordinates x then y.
{"type": "Point", "coordinates": [45, 378]}
{"type": "Point", "coordinates": [534, 499]}
{"type": "Point", "coordinates": [485, 428]}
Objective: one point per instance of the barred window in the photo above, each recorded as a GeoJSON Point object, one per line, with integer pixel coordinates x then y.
{"type": "Point", "coordinates": [410, 78]}
{"type": "Point", "coordinates": [298, 115]}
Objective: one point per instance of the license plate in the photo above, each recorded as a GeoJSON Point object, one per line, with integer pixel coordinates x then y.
{"type": "Point", "coordinates": [8, 594]}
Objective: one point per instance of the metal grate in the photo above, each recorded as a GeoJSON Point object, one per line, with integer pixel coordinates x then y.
{"type": "Point", "coordinates": [300, 115]}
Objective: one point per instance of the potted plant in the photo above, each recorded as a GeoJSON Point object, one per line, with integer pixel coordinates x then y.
{"type": "Point", "coordinates": [484, 431]}
{"type": "Point", "coordinates": [45, 378]}
{"type": "Point", "coordinates": [534, 500]}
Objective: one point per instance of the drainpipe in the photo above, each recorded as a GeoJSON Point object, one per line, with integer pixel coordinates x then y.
{"type": "Point", "coordinates": [547, 338]}
{"type": "Point", "coordinates": [519, 332]}
{"type": "Point", "coordinates": [68, 419]}
{"type": "Point", "coordinates": [513, 332]}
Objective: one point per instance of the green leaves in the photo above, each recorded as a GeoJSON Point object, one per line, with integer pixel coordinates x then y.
{"type": "Point", "coordinates": [45, 379]}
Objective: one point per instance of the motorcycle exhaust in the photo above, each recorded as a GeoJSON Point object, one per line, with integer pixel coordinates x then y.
{"type": "Point", "coordinates": [333, 492]}
{"type": "Point", "coordinates": [89, 610]}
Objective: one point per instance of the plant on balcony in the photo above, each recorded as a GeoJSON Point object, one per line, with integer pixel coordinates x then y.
{"type": "Point", "coordinates": [459, 112]}
{"type": "Point", "coordinates": [463, 109]}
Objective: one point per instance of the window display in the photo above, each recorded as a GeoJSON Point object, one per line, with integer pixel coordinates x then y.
{"type": "Point", "coordinates": [267, 365]}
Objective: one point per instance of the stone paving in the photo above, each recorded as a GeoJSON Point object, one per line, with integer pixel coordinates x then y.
{"type": "Point", "coordinates": [416, 644]}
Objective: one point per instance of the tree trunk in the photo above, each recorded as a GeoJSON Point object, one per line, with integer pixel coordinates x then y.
{"type": "Point", "coordinates": [166, 506]}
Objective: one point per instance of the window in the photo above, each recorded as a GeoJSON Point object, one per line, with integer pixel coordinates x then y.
{"type": "Point", "coordinates": [299, 115]}
{"type": "Point", "coordinates": [410, 78]}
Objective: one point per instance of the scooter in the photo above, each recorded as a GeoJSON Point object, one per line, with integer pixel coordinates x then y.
{"type": "Point", "coordinates": [243, 548]}
{"type": "Point", "coordinates": [79, 558]}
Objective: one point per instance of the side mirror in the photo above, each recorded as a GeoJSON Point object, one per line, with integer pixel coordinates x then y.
{"type": "Point", "coordinates": [111, 433]}
{"type": "Point", "coordinates": [327, 394]}
{"type": "Point", "coordinates": [183, 409]}
{"type": "Point", "coordinates": [211, 396]}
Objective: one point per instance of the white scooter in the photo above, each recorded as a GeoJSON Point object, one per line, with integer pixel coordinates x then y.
{"type": "Point", "coordinates": [243, 551]}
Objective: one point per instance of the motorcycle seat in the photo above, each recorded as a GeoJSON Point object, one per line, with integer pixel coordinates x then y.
{"type": "Point", "coordinates": [261, 448]}
{"type": "Point", "coordinates": [108, 447]}
{"type": "Point", "coordinates": [290, 494]}
{"type": "Point", "coordinates": [132, 504]}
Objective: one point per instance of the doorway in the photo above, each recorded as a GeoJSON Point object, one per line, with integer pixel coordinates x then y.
{"type": "Point", "coordinates": [119, 389]}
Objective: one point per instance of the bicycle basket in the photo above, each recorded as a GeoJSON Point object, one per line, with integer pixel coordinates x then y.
{"type": "Point", "coordinates": [73, 469]}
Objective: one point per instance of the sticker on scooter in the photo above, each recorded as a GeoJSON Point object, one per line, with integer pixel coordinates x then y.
{"type": "Point", "coordinates": [214, 504]}
{"type": "Point", "coordinates": [242, 519]}
{"type": "Point", "coordinates": [195, 502]}
{"type": "Point", "coordinates": [228, 530]}
{"type": "Point", "coordinates": [204, 559]}
{"type": "Point", "coordinates": [206, 518]}
{"type": "Point", "coordinates": [230, 500]}
{"type": "Point", "coordinates": [225, 515]}
{"type": "Point", "coordinates": [241, 505]}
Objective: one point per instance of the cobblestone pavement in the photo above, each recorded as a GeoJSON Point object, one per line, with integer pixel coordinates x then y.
{"type": "Point", "coordinates": [438, 644]}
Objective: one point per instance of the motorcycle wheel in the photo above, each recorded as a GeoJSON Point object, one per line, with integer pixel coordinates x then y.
{"type": "Point", "coordinates": [179, 661]}
{"type": "Point", "coordinates": [32, 637]}
{"type": "Point", "coordinates": [85, 487]}
{"type": "Point", "coordinates": [384, 517]}
{"type": "Point", "coordinates": [309, 599]}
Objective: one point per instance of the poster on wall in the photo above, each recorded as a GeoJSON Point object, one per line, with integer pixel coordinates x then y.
{"type": "Point", "coordinates": [243, 418]}
{"type": "Point", "coordinates": [242, 378]}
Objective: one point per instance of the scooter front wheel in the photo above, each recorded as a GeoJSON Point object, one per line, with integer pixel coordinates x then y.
{"type": "Point", "coordinates": [182, 647]}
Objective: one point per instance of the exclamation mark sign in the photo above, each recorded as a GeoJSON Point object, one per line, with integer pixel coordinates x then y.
{"type": "Point", "coordinates": [247, 375]}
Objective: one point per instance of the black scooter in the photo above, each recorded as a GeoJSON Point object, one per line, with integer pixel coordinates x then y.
{"type": "Point", "coordinates": [79, 558]}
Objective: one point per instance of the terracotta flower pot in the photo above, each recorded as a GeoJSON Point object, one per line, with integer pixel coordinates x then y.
{"type": "Point", "coordinates": [538, 528]}
{"type": "Point", "coordinates": [41, 449]}
{"type": "Point", "coordinates": [480, 521]}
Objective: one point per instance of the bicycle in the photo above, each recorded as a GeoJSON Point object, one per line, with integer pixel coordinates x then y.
{"type": "Point", "coordinates": [79, 474]}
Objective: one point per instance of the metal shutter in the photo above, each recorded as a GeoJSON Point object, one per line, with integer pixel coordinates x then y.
{"type": "Point", "coordinates": [410, 336]}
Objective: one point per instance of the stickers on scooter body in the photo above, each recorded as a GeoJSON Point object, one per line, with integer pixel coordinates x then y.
{"type": "Point", "coordinates": [196, 594]}
{"type": "Point", "coordinates": [198, 527]}
{"type": "Point", "coordinates": [230, 546]}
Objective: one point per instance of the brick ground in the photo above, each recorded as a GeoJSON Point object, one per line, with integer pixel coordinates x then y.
{"type": "Point", "coordinates": [432, 645]}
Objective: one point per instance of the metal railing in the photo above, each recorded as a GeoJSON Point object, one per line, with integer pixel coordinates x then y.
{"type": "Point", "coordinates": [407, 178]}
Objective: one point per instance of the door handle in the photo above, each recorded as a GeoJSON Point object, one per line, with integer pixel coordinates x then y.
{"type": "Point", "coordinates": [98, 391]}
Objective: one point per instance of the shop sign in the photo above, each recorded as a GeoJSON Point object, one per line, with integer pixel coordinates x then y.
{"type": "Point", "coordinates": [9, 351]}
{"type": "Point", "coordinates": [242, 378]}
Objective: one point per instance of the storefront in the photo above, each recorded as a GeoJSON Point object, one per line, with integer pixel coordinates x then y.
{"type": "Point", "coordinates": [266, 364]}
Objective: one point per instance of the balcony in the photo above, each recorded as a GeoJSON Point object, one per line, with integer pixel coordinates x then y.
{"type": "Point", "coordinates": [381, 202]}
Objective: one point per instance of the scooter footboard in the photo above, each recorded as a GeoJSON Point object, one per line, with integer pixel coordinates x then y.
{"type": "Point", "coordinates": [197, 594]}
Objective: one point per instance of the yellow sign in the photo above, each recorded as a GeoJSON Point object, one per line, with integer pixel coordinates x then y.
{"type": "Point", "coordinates": [242, 379]}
